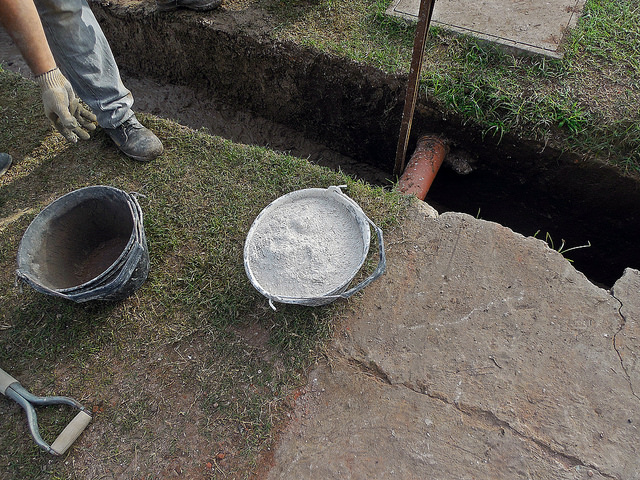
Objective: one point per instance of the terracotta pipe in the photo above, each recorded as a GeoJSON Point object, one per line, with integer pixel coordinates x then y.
{"type": "Point", "coordinates": [423, 166]}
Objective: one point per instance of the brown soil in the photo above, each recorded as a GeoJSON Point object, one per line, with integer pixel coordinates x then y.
{"type": "Point", "coordinates": [158, 384]}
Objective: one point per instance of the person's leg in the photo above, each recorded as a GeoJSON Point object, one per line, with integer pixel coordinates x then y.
{"type": "Point", "coordinates": [85, 58]}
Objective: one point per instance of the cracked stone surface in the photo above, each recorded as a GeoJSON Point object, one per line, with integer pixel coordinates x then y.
{"type": "Point", "coordinates": [627, 340]}
{"type": "Point", "coordinates": [479, 354]}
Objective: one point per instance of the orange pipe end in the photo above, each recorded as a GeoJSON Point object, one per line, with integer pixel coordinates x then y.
{"type": "Point", "coordinates": [423, 166]}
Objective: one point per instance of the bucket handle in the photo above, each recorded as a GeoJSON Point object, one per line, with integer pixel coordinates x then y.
{"type": "Point", "coordinates": [382, 265]}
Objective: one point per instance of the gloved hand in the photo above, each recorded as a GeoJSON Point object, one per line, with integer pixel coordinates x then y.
{"type": "Point", "coordinates": [63, 108]}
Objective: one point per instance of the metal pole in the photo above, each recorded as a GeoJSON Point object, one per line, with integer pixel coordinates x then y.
{"type": "Point", "coordinates": [419, 41]}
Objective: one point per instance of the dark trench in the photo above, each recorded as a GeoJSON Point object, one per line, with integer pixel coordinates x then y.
{"type": "Point", "coordinates": [350, 114]}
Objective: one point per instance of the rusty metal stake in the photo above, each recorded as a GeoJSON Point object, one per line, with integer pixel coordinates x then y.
{"type": "Point", "coordinates": [419, 41]}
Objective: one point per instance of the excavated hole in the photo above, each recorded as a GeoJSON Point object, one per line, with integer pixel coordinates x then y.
{"type": "Point", "coordinates": [524, 200]}
{"type": "Point", "coordinates": [347, 116]}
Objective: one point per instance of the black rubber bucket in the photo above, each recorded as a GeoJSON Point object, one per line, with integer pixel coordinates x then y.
{"type": "Point", "coordinates": [87, 245]}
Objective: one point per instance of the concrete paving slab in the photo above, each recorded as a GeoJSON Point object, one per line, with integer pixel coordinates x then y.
{"type": "Point", "coordinates": [479, 354]}
{"type": "Point", "coordinates": [522, 26]}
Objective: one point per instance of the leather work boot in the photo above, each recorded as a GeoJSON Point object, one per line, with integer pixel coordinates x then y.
{"type": "Point", "coordinates": [135, 140]}
{"type": "Point", "coordinates": [197, 5]}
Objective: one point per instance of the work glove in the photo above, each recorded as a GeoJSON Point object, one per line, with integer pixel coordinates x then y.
{"type": "Point", "coordinates": [63, 108]}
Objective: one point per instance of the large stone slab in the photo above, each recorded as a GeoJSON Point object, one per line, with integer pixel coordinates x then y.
{"type": "Point", "coordinates": [530, 26]}
{"type": "Point", "coordinates": [627, 340]}
{"type": "Point", "coordinates": [479, 354]}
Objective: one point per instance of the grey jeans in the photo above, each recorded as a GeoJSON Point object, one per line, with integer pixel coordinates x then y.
{"type": "Point", "coordinates": [85, 58]}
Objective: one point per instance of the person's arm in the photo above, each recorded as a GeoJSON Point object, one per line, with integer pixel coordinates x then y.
{"type": "Point", "coordinates": [21, 21]}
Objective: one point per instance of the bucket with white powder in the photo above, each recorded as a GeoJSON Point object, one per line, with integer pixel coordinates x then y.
{"type": "Point", "coordinates": [306, 247]}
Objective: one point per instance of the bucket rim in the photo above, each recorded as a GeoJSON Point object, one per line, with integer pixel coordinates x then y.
{"type": "Point", "coordinates": [46, 215]}
{"type": "Point", "coordinates": [327, 295]}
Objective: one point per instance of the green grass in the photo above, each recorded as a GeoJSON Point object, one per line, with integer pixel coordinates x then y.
{"type": "Point", "coordinates": [585, 103]}
{"type": "Point", "coordinates": [608, 36]}
{"type": "Point", "coordinates": [175, 361]}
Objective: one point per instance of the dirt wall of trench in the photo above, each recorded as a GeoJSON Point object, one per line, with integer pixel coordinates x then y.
{"type": "Point", "coordinates": [350, 107]}
{"type": "Point", "coordinates": [346, 105]}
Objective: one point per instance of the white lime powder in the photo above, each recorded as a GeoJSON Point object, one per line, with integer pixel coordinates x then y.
{"type": "Point", "coordinates": [306, 248]}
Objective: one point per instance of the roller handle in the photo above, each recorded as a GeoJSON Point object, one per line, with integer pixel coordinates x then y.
{"type": "Point", "coordinates": [5, 381]}
{"type": "Point", "coordinates": [70, 433]}
{"type": "Point", "coordinates": [10, 387]}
